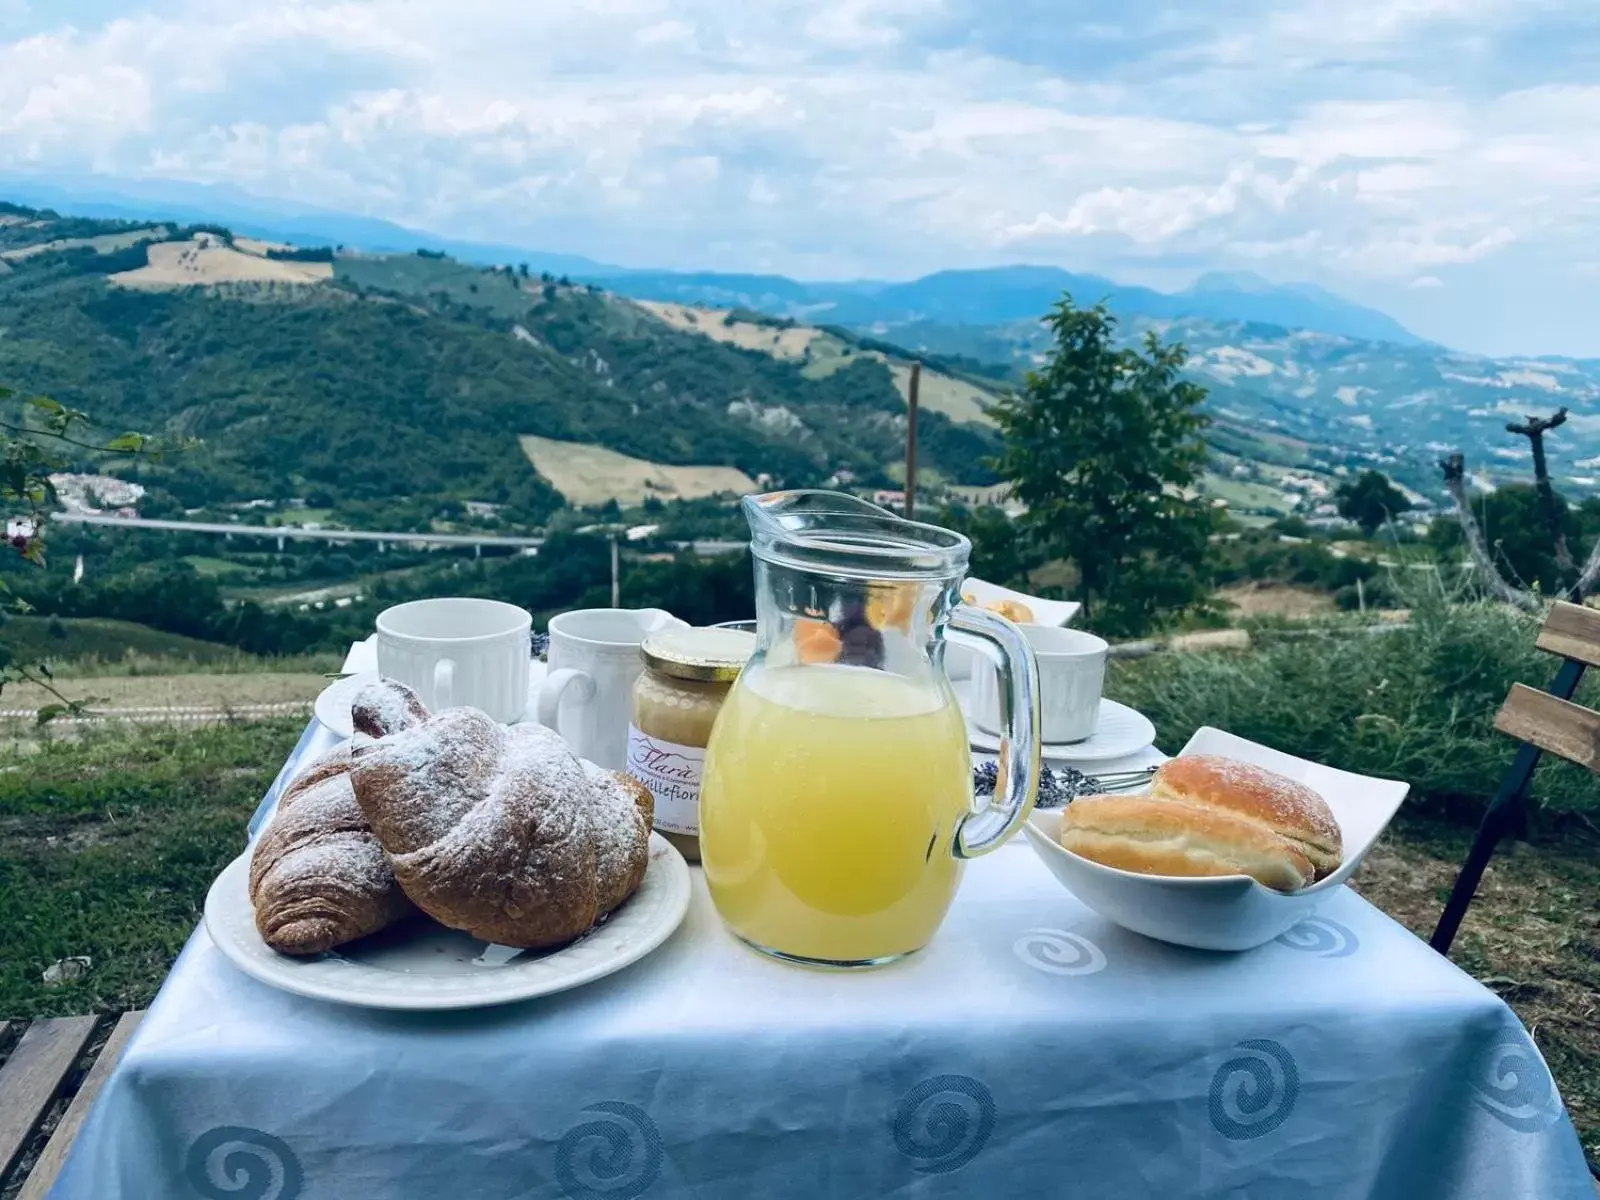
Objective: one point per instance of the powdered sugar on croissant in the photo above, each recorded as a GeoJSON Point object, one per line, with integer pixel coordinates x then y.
{"type": "Point", "coordinates": [500, 831]}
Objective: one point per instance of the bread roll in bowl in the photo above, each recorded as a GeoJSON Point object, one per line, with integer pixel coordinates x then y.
{"type": "Point", "coordinates": [1206, 815]}
{"type": "Point", "coordinates": [1290, 809]}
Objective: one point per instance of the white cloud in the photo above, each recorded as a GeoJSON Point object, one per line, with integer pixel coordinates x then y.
{"type": "Point", "coordinates": [1367, 144]}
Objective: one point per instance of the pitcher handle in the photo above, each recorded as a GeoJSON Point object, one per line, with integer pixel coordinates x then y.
{"type": "Point", "coordinates": [1002, 644]}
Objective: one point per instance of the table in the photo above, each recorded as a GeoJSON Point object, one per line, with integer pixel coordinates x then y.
{"type": "Point", "coordinates": [1032, 1050]}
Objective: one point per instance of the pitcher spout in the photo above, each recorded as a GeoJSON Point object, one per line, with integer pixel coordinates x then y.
{"type": "Point", "coordinates": [843, 535]}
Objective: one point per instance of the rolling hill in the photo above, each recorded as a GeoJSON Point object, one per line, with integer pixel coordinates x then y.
{"type": "Point", "coordinates": [401, 378]}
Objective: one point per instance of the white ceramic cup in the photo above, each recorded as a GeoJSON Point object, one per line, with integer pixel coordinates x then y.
{"type": "Point", "coordinates": [1072, 676]}
{"type": "Point", "coordinates": [460, 652]}
{"type": "Point", "coordinates": [594, 659]}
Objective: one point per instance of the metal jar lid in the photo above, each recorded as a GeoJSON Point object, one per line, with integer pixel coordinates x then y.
{"type": "Point", "coordinates": [703, 655]}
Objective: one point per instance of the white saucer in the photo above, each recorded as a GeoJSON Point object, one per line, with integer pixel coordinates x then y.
{"type": "Point", "coordinates": [421, 965]}
{"type": "Point", "coordinates": [1119, 732]}
{"type": "Point", "coordinates": [333, 705]}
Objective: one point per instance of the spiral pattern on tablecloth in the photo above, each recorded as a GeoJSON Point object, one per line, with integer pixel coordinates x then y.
{"type": "Point", "coordinates": [232, 1162]}
{"type": "Point", "coordinates": [616, 1157]}
{"type": "Point", "coordinates": [1059, 952]}
{"type": "Point", "coordinates": [1254, 1092]}
{"type": "Point", "coordinates": [943, 1123]}
{"type": "Point", "coordinates": [1322, 937]}
{"type": "Point", "coordinates": [1514, 1086]}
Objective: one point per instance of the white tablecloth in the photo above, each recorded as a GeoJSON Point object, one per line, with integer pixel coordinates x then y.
{"type": "Point", "coordinates": [1033, 1050]}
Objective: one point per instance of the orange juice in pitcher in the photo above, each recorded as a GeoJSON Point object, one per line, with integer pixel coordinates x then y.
{"type": "Point", "coordinates": [837, 788]}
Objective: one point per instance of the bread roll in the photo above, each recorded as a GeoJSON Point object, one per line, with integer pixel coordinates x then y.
{"type": "Point", "coordinates": [1290, 809]}
{"type": "Point", "coordinates": [1207, 815]}
{"type": "Point", "coordinates": [1169, 837]}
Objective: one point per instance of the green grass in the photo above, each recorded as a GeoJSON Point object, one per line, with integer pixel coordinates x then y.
{"type": "Point", "coordinates": [61, 639]}
{"type": "Point", "coordinates": [215, 568]}
{"type": "Point", "coordinates": [300, 516]}
{"type": "Point", "coordinates": [95, 647]}
{"type": "Point", "coordinates": [108, 845]}
{"type": "Point", "coordinates": [827, 354]}
{"type": "Point", "coordinates": [1416, 703]}
{"type": "Point", "coordinates": [411, 275]}
{"type": "Point", "coordinates": [1245, 495]}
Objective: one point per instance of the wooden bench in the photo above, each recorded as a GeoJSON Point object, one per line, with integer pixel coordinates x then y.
{"type": "Point", "coordinates": [48, 1081]}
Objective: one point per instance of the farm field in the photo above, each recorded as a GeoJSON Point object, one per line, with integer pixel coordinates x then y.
{"type": "Point", "coordinates": [590, 475]}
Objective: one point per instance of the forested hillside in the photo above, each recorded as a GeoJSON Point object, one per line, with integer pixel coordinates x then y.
{"type": "Point", "coordinates": [410, 377]}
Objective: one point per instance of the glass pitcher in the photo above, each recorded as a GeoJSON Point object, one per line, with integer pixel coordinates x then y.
{"type": "Point", "coordinates": [836, 803]}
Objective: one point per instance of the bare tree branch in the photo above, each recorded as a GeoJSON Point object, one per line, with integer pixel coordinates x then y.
{"type": "Point", "coordinates": [1589, 577]}
{"type": "Point", "coordinates": [1454, 469]}
{"type": "Point", "coordinates": [1534, 428]}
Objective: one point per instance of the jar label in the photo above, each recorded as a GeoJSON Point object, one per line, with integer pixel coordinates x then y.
{"type": "Point", "coordinates": [672, 773]}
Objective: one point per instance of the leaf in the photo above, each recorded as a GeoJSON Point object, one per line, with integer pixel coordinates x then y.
{"type": "Point", "coordinates": [133, 442]}
{"type": "Point", "coordinates": [49, 713]}
{"type": "Point", "coordinates": [47, 404]}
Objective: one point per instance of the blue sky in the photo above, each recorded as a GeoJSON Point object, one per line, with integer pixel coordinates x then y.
{"type": "Point", "coordinates": [1437, 158]}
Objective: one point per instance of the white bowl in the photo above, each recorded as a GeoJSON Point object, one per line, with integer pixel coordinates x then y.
{"type": "Point", "coordinates": [1226, 912]}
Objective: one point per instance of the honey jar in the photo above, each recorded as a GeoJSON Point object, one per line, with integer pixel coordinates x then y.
{"type": "Point", "coordinates": [674, 705]}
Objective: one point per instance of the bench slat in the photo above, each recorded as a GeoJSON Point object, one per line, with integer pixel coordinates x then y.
{"type": "Point", "coordinates": [33, 1075]}
{"type": "Point", "coordinates": [51, 1161]}
{"type": "Point", "coordinates": [1558, 726]}
{"type": "Point", "coordinates": [1572, 631]}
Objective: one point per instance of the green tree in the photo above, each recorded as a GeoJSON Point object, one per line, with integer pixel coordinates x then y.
{"type": "Point", "coordinates": [1003, 552]}
{"type": "Point", "coordinates": [1370, 500]}
{"type": "Point", "coordinates": [1103, 446]}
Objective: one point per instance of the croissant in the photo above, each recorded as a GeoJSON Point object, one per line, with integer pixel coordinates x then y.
{"type": "Point", "coordinates": [502, 831]}
{"type": "Point", "coordinates": [318, 878]}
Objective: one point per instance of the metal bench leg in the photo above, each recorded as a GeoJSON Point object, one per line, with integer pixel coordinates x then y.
{"type": "Point", "coordinates": [1496, 823]}
{"type": "Point", "coordinates": [1507, 812]}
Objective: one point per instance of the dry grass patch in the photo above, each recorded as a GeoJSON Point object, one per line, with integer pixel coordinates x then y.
{"type": "Point", "coordinates": [205, 262]}
{"type": "Point", "coordinates": [787, 343]}
{"type": "Point", "coordinates": [1246, 600]}
{"type": "Point", "coordinates": [955, 398]}
{"type": "Point", "coordinates": [590, 475]}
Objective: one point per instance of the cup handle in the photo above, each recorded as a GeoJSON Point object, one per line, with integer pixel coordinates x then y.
{"type": "Point", "coordinates": [444, 684]}
{"type": "Point", "coordinates": [1002, 644]}
{"type": "Point", "coordinates": [555, 686]}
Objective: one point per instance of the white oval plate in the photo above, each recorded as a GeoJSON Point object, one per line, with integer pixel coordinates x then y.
{"type": "Point", "coordinates": [1119, 732]}
{"type": "Point", "coordinates": [1224, 912]}
{"type": "Point", "coordinates": [420, 965]}
{"type": "Point", "coordinates": [333, 704]}
{"type": "Point", "coordinates": [1045, 612]}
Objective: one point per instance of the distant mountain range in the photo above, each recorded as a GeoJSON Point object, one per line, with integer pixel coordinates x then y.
{"type": "Point", "coordinates": [985, 296]}
{"type": "Point", "coordinates": [997, 295]}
